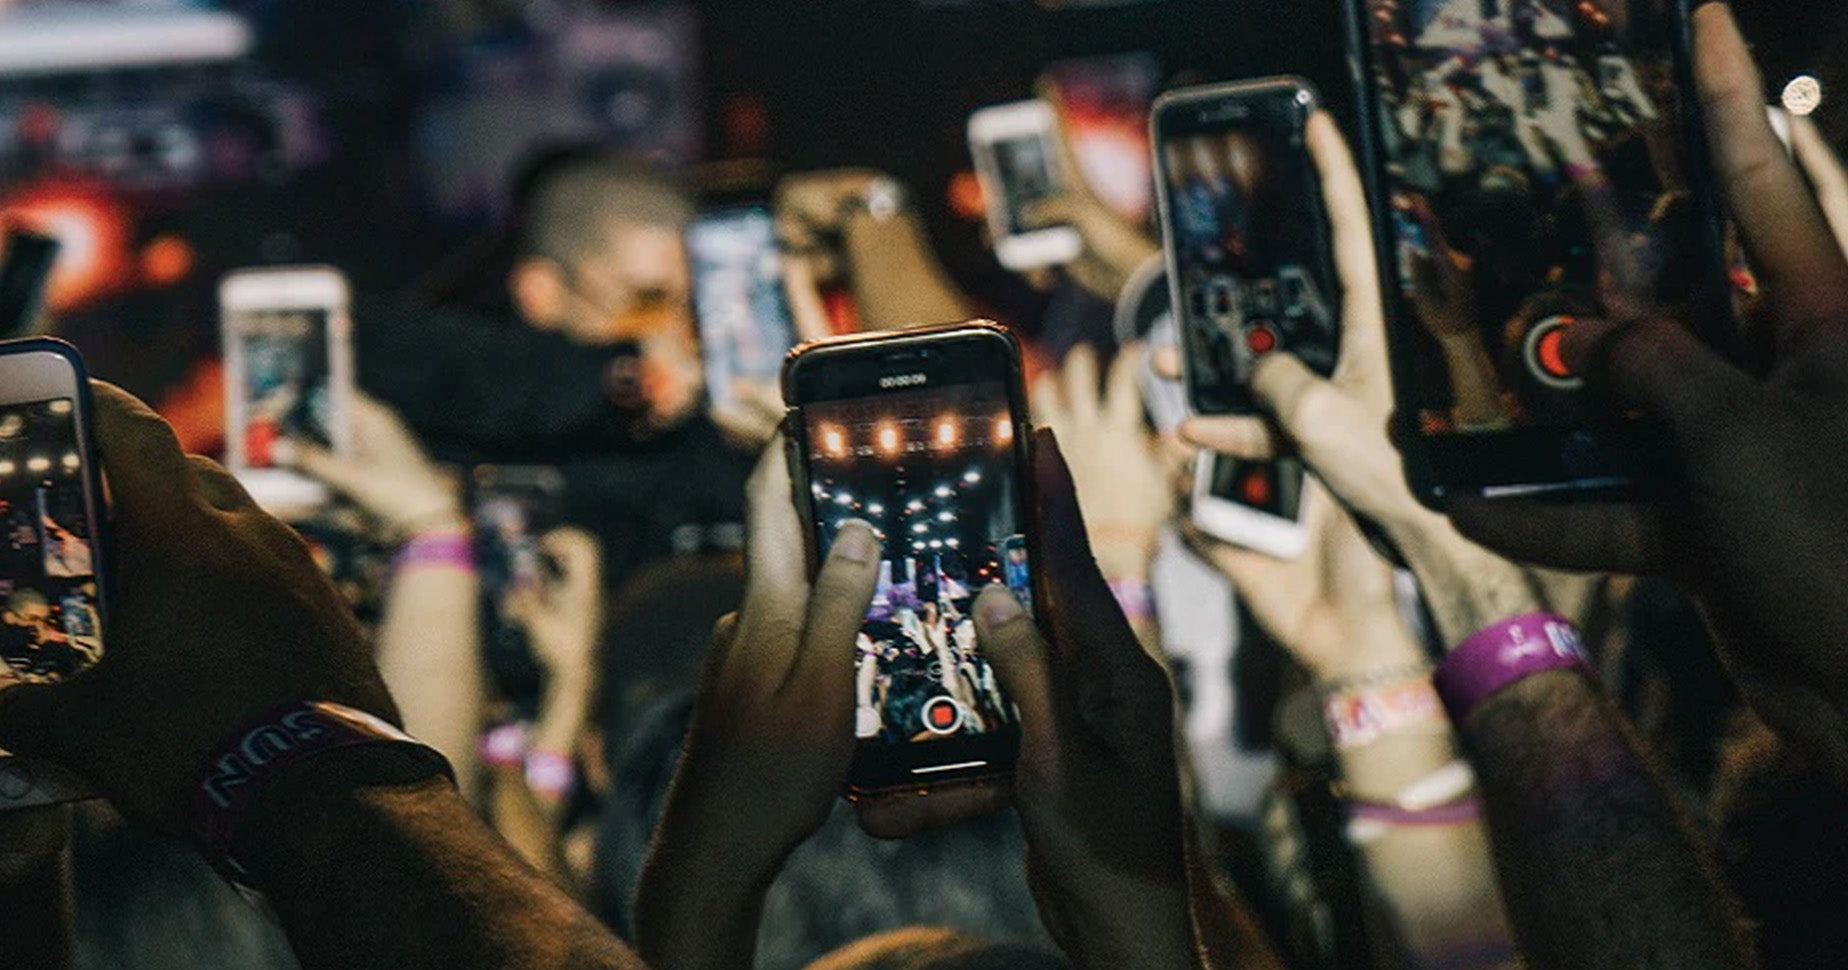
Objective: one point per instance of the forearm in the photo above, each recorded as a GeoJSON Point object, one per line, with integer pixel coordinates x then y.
{"type": "Point", "coordinates": [897, 281]}
{"type": "Point", "coordinates": [364, 871]}
{"type": "Point", "coordinates": [699, 901]}
{"type": "Point", "coordinates": [35, 894]}
{"type": "Point", "coordinates": [1433, 875]}
{"type": "Point", "coordinates": [1599, 865]}
{"type": "Point", "coordinates": [430, 655]}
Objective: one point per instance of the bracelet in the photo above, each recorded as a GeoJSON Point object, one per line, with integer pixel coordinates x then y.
{"type": "Point", "coordinates": [1505, 652]}
{"type": "Point", "coordinates": [233, 779]}
{"type": "Point", "coordinates": [1135, 598]}
{"type": "Point", "coordinates": [437, 549]}
{"type": "Point", "coordinates": [1362, 715]}
{"type": "Point", "coordinates": [1367, 823]}
{"type": "Point", "coordinates": [504, 745]}
{"type": "Point", "coordinates": [1445, 786]}
{"type": "Point", "coordinates": [1384, 675]}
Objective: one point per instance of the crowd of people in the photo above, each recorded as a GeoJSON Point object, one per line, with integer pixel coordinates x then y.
{"type": "Point", "coordinates": [1505, 734]}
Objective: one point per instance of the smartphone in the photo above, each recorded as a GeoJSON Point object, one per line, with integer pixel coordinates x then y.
{"type": "Point", "coordinates": [29, 258]}
{"type": "Point", "coordinates": [1486, 405]}
{"type": "Point", "coordinates": [1018, 161]}
{"type": "Point", "coordinates": [745, 326]}
{"type": "Point", "coordinates": [1105, 106]}
{"type": "Point", "coordinates": [513, 507]}
{"type": "Point", "coordinates": [52, 566]}
{"type": "Point", "coordinates": [288, 375]}
{"type": "Point", "coordinates": [1250, 270]}
{"type": "Point", "coordinates": [923, 434]}
{"type": "Point", "coordinates": [1255, 504]}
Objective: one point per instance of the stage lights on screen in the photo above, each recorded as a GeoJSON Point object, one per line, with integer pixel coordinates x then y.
{"type": "Point", "coordinates": [891, 438]}
{"type": "Point", "coordinates": [887, 438]}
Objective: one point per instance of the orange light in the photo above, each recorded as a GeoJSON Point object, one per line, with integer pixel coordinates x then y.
{"type": "Point", "coordinates": [834, 442]}
{"type": "Point", "coordinates": [946, 433]}
{"type": "Point", "coordinates": [1004, 430]}
{"type": "Point", "coordinates": [887, 437]}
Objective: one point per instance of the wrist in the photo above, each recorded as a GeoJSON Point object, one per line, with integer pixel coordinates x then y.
{"type": "Point", "coordinates": [1503, 654]}
{"type": "Point", "coordinates": [302, 753]}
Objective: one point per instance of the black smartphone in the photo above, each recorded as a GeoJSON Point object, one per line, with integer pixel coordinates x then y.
{"type": "Point", "coordinates": [923, 434]}
{"type": "Point", "coordinates": [1516, 210]}
{"type": "Point", "coordinates": [1249, 265]}
{"type": "Point", "coordinates": [23, 277]}
{"type": "Point", "coordinates": [745, 326]}
{"type": "Point", "coordinates": [513, 507]}
{"type": "Point", "coordinates": [52, 564]}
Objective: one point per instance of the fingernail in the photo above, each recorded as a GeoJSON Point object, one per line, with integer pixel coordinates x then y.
{"type": "Point", "coordinates": [997, 605]}
{"type": "Point", "coordinates": [855, 542]}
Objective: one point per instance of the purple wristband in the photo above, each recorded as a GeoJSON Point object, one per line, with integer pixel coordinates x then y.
{"type": "Point", "coordinates": [438, 549]}
{"type": "Point", "coordinates": [1503, 653]}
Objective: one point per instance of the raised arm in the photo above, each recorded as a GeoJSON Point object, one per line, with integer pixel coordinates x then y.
{"type": "Point", "coordinates": [366, 852]}
{"type": "Point", "coordinates": [1592, 795]}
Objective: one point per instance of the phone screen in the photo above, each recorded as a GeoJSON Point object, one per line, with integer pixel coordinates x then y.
{"type": "Point", "coordinates": [287, 379]}
{"type": "Point", "coordinates": [1025, 167]}
{"type": "Point", "coordinates": [50, 619]}
{"type": "Point", "coordinates": [934, 471]}
{"type": "Point", "coordinates": [745, 326]}
{"type": "Point", "coordinates": [1247, 238]}
{"type": "Point", "coordinates": [1538, 170]}
{"type": "Point", "coordinates": [513, 509]}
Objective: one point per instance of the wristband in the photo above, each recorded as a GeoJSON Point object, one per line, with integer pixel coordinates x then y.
{"type": "Point", "coordinates": [1362, 715]}
{"type": "Point", "coordinates": [1135, 599]}
{"type": "Point", "coordinates": [1493, 658]}
{"type": "Point", "coordinates": [438, 549]}
{"type": "Point", "coordinates": [234, 779]}
{"type": "Point", "coordinates": [504, 745]}
{"type": "Point", "coordinates": [550, 774]}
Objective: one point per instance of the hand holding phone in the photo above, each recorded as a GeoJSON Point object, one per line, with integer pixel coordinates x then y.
{"type": "Point", "coordinates": [921, 433]}
{"type": "Point", "coordinates": [52, 581]}
{"type": "Point", "coordinates": [288, 376]}
{"type": "Point", "coordinates": [1020, 162]}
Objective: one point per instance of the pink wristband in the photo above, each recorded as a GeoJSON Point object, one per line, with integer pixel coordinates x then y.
{"type": "Point", "coordinates": [550, 774]}
{"type": "Point", "coordinates": [1133, 596]}
{"type": "Point", "coordinates": [1363, 715]}
{"type": "Point", "coordinates": [438, 549]}
{"type": "Point", "coordinates": [234, 778]}
{"type": "Point", "coordinates": [1493, 658]}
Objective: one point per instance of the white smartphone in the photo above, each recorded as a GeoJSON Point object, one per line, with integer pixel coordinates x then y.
{"type": "Point", "coordinates": [51, 568]}
{"type": "Point", "coordinates": [288, 375]}
{"type": "Point", "coordinates": [1255, 504]}
{"type": "Point", "coordinates": [1018, 161]}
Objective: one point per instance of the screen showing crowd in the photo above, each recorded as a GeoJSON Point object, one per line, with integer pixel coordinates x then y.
{"type": "Point", "coordinates": [1025, 166]}
{"type": "Point", "coordinates": [933, 472]}
{"type": "Point", "coordinates": [1248, 249]}
{"type": "Point", "coordinates": [287, 380]}
{"type": "Point", "coordinates": [1536, 174]}
{"type": "Point", "coordinates": [50, 626]}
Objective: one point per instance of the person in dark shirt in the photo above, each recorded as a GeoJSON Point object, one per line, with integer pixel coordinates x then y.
{"type": "Point", "coordinates": [595, 368]}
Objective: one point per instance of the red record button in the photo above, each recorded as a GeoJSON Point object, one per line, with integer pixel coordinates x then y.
{"type": "Point", "coordinates": [1544, 357]}
{"type": "Point", "coordinates": [1261, 339]}
{"type": "Point", "coordinates": [942, 715]}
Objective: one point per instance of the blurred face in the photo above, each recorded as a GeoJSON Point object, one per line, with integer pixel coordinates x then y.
{"type": "Point", "coordinates": [635, 287]}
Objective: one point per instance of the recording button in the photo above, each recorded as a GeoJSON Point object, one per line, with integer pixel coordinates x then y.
{"type": "Point", "coordinates": [1261, 338]}
{"type": "Point", "coordinates": [1256, 488]}
{"type": "Point", "coordinates": [942, 715]}
{"type": "Point", "coordinates": [1545, 358]}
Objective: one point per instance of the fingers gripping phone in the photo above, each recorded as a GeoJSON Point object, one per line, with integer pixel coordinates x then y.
{"type": "Point", "coordinates": [1511, 222]}
{"type": "Point", "coordinates": [513, 507]}
{"type": "Point", "coordinates": [1249, 264]}
{"type": "Point", "coordinates": [1018, 161]}
{"type": "Point", "coordinates": [288, 375]}
{"type": "Point", "coordinates": [922, 434]}
{"type": "Point", "coordinates": [745, 326]}
{"type": "Point", "coordinates": [52, 561]}
{"type": "Point", "coordinates": [1253, 504]}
